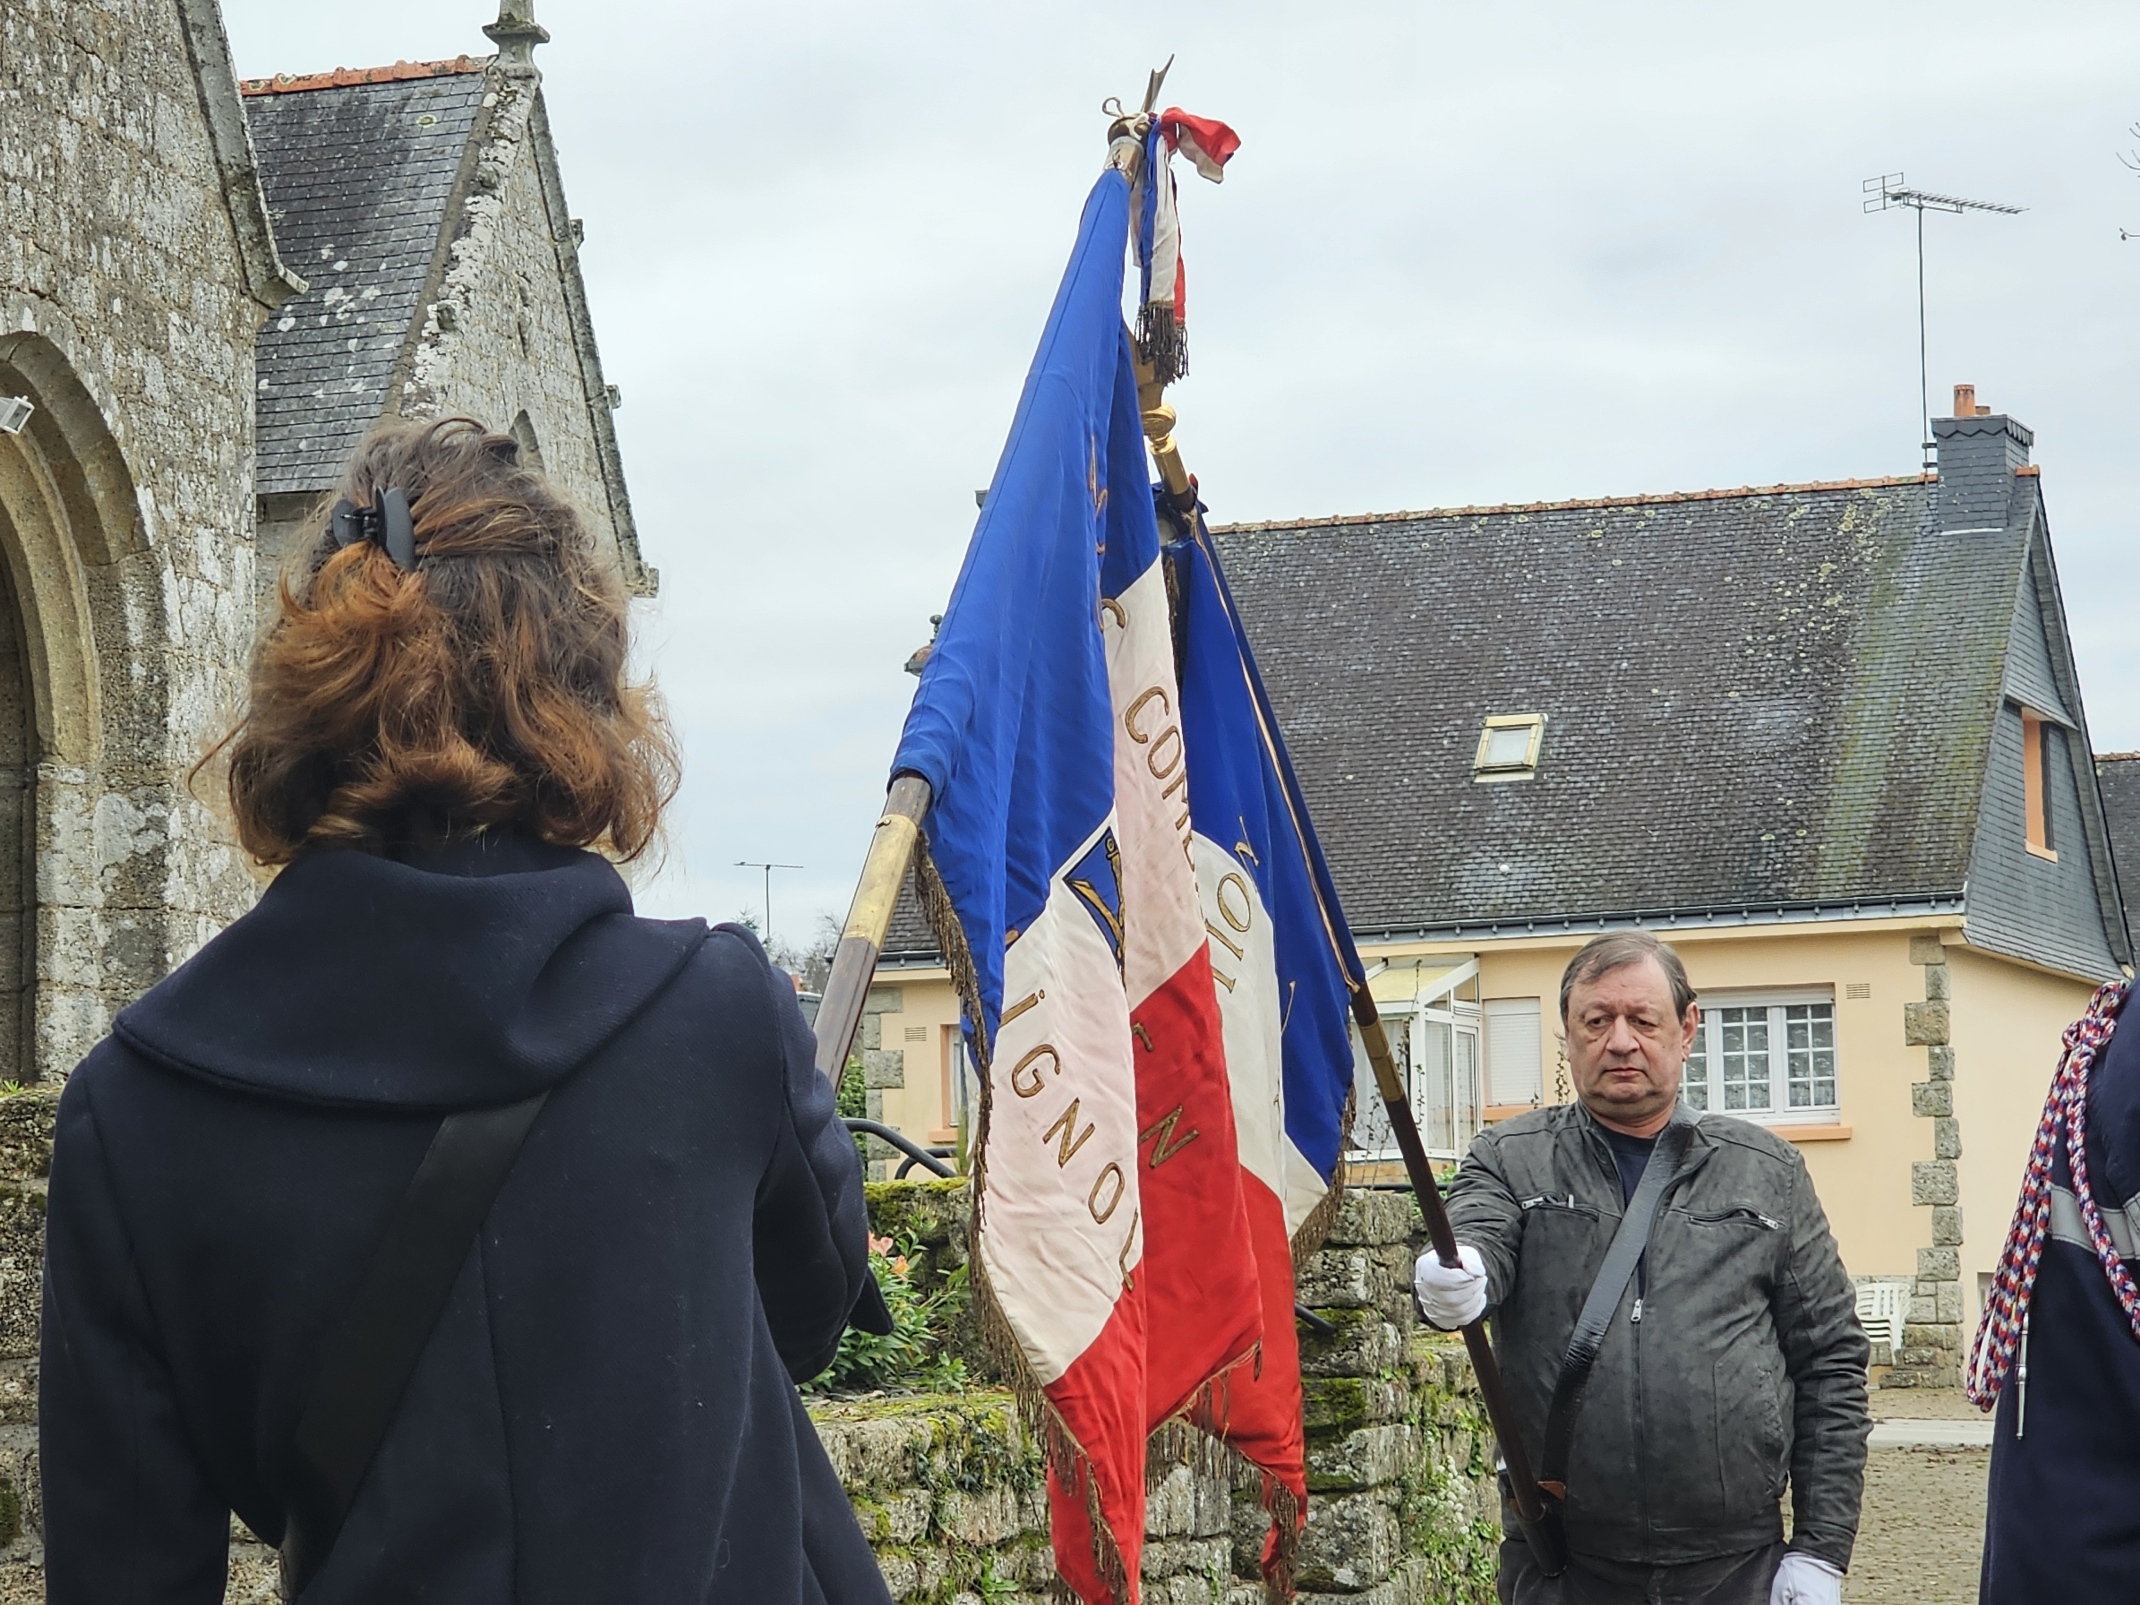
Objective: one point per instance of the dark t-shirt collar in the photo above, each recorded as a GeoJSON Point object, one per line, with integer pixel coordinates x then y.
{"type": "Point", "coordinates": [1631, 1154]}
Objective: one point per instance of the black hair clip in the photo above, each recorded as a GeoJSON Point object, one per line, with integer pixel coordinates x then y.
{"type": "Point", "coordinates": [388, 525]}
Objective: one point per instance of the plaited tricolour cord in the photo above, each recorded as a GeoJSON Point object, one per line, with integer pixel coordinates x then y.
{"type": "Point", "coordinates": [2065, 1111]}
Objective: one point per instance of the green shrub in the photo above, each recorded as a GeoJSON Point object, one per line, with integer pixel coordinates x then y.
{"type": "Point", "coordinates": [914, 1355]}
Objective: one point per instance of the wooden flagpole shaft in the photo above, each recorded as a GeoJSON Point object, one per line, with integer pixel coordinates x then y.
{"type": "Point", "coordinates": [854, 961]}
{"type": "Point", "coordinates": [1523, 1486]}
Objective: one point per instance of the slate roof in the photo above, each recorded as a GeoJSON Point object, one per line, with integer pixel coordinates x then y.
{"type": "Point", "coordinates": [2119, 775]}
{"type": "Point", "coordinates": [359, 168]}
{"type": "Point", "coordinates": [1754, 700]}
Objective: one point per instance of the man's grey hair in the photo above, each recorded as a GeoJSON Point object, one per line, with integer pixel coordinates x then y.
{"type": "Point", "coordinates": [1601, 955]}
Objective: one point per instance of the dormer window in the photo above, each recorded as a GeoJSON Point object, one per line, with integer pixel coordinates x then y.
{"type": "Point", "coordinates": [1508, 747]}
{"type": "Point", "coordinates": [2039, 742]}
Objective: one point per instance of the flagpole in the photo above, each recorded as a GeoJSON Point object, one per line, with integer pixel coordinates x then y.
{"type": "Point", "coordinates": [869, 916]}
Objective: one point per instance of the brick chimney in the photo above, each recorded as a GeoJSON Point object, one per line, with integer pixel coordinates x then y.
{"type": "Point", "coordinates": [1979, 450]}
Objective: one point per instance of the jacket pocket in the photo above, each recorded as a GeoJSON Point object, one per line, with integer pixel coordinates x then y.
{"type": "Point", "coordinates": [1739, 1215]}
{"type": "Point", "coordinates": [1750, 1445]}
{"type": "Point", "coordinates": [1559, 1204]}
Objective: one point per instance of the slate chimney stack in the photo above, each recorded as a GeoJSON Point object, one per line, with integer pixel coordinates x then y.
{"type": "Point", "coordinates": [1979, 450]}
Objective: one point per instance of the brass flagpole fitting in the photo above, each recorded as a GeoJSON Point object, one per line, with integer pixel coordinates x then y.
{"type": "Point", "coordinates": [1158, 419]}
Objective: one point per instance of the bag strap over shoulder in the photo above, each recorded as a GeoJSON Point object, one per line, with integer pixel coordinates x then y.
{"type": "Point", "coordinates": [1603, 1302]}
{"type": "Point", "coordinates": [367, 1363]}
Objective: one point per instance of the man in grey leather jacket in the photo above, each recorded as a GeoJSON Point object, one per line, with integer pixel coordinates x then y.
{"type": "Point", "coordinates": [1735, 1363]}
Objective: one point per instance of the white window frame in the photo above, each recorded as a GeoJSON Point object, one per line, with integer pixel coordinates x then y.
{"type": "Point", "coordinates": [1710, 1066]}
{"type": "Point", "coordinates": [1525, 768]}
{"type": "Point", "coordinates": [1450, 1113]}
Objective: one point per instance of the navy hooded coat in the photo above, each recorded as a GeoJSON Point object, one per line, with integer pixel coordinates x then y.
{"type": "Point", "coordinates": [606, 1410]}
{"type": "Point", "coordinates": [2063, 1512]}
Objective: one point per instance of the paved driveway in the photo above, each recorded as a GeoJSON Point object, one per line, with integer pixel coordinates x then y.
{"type": "Point", "coordinates": [1922, 1536]}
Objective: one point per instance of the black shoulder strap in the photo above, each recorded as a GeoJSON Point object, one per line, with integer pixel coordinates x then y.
{"type": "Point", "coordinates": [1603, 1301]}
{"type": "Point", "coordinates": [368, 1361]}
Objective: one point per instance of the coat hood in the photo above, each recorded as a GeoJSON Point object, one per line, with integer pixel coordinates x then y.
{"type": "Point", "coordinates": [474, 974]}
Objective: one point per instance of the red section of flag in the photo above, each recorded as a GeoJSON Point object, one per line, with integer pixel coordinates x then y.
{"type": "Point", "coordinates": [1204, 140]}
{"type": "Point", "coordinates": [1259, 1412]}
{"type": "Point", "coordinates": [1204, 1306]}
{"type": "Point", "coordinates": [1100, 1392]}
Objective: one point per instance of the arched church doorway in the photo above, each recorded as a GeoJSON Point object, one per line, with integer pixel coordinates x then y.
{"type": "Point", "coordinates": [18, 834]}
{"type": "Point", "coordinates": [69, 523]}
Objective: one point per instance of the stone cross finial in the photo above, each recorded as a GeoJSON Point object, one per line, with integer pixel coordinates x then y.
{"type": "Point", "coordinates": [516, 33]}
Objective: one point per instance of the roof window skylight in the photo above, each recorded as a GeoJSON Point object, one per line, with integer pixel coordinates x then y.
{"type": "Point", "coordinates": [1508, 747]}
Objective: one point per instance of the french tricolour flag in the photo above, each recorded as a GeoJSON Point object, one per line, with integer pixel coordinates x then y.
{"type": "Point", "coordinates": [1113, 1243]}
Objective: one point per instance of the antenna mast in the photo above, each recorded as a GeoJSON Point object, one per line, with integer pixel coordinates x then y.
{"type": "Point", "coordinates": [1889, 190]}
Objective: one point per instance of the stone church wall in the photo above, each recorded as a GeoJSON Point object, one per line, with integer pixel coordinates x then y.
{"type": "Point", "coordinates": [126, 506]}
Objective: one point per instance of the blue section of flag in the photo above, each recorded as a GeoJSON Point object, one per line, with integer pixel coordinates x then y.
{"type": "Point", "coordinates": [1012, 726]}
{"type": "Point", "coordinates": [1243, 796]}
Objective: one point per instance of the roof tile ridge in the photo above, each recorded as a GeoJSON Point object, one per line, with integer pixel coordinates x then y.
{"type": "Point", "coordinates": [1654, 499]}
{"type": "Point", "coordinates": [2117, 757]}
{"type": "Point", "coordinates": [284, 83]}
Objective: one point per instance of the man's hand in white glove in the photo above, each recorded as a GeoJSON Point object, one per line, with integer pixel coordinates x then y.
{"type": "Point", "coordinates": [1451, 1295]}
{"type": "Point", "coordinates": [1805, 1579]}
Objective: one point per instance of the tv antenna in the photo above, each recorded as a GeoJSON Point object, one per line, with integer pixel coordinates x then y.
{"type": "Point", "coordinates": [1888, 191]}
{"type": "Point", "coordinates": [759, 863]}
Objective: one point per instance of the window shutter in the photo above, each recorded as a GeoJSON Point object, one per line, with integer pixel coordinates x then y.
{"type": "Point", "coordinates": [1515, 1067]}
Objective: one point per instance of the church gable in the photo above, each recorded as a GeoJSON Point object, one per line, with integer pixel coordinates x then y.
{"type": "Point", "coordinates": [509, 339]}
{"type": "Point", "coordinates": [425, 199]}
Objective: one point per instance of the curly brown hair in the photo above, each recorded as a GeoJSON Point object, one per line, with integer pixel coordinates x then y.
{"type": "Point", "coordinates": [486, 687]}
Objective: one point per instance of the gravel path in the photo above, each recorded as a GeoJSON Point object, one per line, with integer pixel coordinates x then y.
{"type": "Point", "coordinates": [1922, 1535]}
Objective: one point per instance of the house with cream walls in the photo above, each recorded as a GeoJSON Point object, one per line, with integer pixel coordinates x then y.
{"type": "Point", "coordinates": [1826, 739]}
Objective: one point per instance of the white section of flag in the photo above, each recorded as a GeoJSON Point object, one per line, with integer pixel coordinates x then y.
{"type": "Point", "coordinates": [1162, 927]}
{"type": "Point", "coordinates": [1059, 1234]}
{"type": "Point", "coordinates": [1305, 1188]}
{"type": "Point", "coordinates": [1244, 965]}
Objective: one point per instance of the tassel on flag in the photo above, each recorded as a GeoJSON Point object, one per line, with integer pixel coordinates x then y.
{"type": "Point", "coordinates": [1163, 297]}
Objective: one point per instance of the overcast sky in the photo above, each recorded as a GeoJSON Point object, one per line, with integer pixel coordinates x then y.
{"type": "Point", "coordinates": [1515, 252]}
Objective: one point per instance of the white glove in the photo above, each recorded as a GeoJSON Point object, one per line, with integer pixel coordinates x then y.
{"type": "Point", "coordinates": [1805, 1579]}
{"type": "Point", "coordinates": [1451, 1295]}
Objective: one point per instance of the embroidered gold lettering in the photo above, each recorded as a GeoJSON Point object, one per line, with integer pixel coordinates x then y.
{"type": "Point", "coordinates": [1129, 714]}
{"type": "Point", "coordinates": [1066, 1123]}
{"type": "Point", "coordinates": [1031, 1063]}
{"type": "Point", "coordinates": [1166, 1148]}
{"type": "Point", "coordinates": [1092, 1199]}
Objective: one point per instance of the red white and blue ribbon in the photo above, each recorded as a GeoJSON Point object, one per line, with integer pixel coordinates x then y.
{"type": "Point", "coordinates": [1163, 297]}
